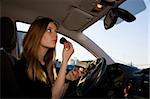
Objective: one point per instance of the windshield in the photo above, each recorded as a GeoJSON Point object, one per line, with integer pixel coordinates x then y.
{"type": "Point", "coordinates": [125, 42]}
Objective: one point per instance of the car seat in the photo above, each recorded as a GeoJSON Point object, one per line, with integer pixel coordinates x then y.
{"type": "Point", "coordinates": [9, 86]}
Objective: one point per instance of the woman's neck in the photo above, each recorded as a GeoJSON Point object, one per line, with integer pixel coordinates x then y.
{"type": "Point", "coordinates": [41, 54]}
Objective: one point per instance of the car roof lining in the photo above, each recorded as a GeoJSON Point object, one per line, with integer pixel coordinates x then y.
{"type": "Point", "coordinates": [66, 12]}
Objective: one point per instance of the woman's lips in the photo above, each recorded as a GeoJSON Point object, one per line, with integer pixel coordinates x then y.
{"type": "Point", "coordinates": [54, 41]}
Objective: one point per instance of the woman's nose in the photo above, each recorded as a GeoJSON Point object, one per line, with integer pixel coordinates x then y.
{"type": "Point", "coordinates": [55, 35]}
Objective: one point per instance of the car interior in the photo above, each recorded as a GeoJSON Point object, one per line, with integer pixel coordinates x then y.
{"type": "Point", "coordinates": [105, 78]}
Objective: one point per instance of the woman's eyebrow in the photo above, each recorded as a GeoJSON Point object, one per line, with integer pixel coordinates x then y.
{"type": "Point", "coordinates": [52, 28]}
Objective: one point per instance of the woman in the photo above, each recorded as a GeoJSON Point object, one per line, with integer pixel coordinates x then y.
{"type": "Point", "coordinates": [35, 71]}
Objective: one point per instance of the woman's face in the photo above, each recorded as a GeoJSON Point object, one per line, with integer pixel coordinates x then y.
{"type": "Point", "coordinates": [49, 38]}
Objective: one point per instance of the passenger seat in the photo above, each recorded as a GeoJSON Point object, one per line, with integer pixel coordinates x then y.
{"type": "Point", "coordinates": [9, 86]}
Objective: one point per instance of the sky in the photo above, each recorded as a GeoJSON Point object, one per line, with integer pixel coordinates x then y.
{"type": "Point", "coordinates": [128, 43]}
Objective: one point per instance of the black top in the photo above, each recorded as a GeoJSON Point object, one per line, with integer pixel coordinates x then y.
{"type": "Point", "coordinates": [31, 88]}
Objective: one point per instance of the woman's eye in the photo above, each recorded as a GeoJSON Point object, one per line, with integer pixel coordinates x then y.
{"type": "Point", "coordinates": [49, 30]}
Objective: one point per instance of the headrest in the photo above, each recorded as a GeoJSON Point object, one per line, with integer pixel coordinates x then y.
{"type": "Point", "coordinates": [7, 34]}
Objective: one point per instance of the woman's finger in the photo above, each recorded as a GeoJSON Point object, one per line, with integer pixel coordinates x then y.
{"type": "Point", "coordinates": [72, 76]}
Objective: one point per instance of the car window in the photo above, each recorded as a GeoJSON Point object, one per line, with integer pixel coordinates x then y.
{"type": "Point", "coordinates": [22, 28]}
{"type": "Point", "coordinates": [80, 53]}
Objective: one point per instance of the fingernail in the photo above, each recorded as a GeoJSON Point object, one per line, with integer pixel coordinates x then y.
{"type": "Point", "coordinates": [66, 49]}
{"type": "Point", "coordinates": [81, 69]}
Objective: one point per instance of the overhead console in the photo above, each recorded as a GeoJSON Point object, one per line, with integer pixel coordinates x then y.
{"type": "Point", "coordinates": [83, 13]}
{"type": "Point", "coordinates": [76, 19]}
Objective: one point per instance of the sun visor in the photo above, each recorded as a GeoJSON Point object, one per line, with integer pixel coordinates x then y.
{"type": "Point", "coordinates": [76, 19]}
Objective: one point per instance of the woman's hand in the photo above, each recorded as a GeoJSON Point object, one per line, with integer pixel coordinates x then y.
{"type": "Point", "coordinates": [75, 73]}
{"type": "Point", "coordinates": [59, 85]}
{"type": "Point", "coordinates": [67, 51]}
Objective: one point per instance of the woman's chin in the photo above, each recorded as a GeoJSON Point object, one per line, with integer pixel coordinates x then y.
{"type": "Point", "coordinates": [52, 46]}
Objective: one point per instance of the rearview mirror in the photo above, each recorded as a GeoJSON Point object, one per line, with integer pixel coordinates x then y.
{"type": "Point", "coordinates": [110, 19]}
{"type": "Point", "coordinates": [113, 14]}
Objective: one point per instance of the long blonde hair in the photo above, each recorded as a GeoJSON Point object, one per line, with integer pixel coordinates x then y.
{"type": "Point", "coordinates": [31, 45]}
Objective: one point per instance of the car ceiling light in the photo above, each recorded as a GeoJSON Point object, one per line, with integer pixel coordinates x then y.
{"type": "Point", "coordinates": [99, 6]}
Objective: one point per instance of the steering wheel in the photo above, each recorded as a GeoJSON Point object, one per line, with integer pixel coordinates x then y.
{"type": "Point", "coordinates": [96, 69]}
